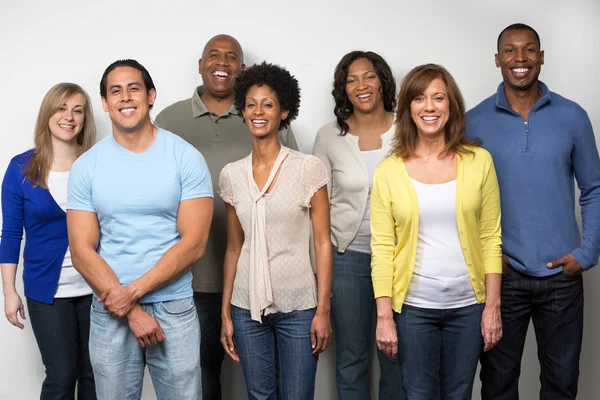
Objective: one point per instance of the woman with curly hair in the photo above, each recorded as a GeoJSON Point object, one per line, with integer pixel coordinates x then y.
{"type": "Point", "coordinates": [34, 198]}
{"type": "Point", "coordinates": [276, 318]}
{"type": "Point", "coordinates": [436, 242]}
{"type": "Point", "coordinates": [364, 90]}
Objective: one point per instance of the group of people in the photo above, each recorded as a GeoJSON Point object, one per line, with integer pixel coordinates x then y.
{"type": "Point", "coordinates": [456, 227]}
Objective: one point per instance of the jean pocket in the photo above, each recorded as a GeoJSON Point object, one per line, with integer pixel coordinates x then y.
{"type": "Point", "coordinates": [178, 307]}
{"type": "Point", "coordinates": [98, 306]}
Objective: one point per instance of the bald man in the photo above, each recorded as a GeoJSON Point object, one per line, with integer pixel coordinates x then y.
{"type": "Point", "coordinates": [208, 120]}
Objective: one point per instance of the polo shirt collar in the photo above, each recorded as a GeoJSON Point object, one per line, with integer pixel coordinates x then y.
{"type": "Point", "coordinates": [199, 108]}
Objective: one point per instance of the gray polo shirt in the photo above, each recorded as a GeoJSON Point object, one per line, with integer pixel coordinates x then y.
{"type": "Point", "coordinates": [221, 139]}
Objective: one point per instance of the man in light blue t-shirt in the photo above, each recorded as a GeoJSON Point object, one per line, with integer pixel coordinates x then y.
{"type": "Point", "coordinates": [139, 209]}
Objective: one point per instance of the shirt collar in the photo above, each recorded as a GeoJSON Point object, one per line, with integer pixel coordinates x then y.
{"type": "Point", "coordinates": [199, 108]}
{"type": "Point", "coordinates": [502, 102]}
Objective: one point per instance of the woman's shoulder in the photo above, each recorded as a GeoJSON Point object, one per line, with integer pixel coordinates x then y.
{"type": "Point", "coordinates": [329, 132]}
{"type": "Point", "coordinates": [478, 155]}
{"type": "Point", "coordinates": [20, 161]}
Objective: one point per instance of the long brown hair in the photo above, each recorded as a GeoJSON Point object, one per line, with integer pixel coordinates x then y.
{"type": "Point", "coordinates": [413, 85]}
{"type": "Point", "coordinates": [343, 107]}
{"type": "Point", "coordinates": [39, 165]}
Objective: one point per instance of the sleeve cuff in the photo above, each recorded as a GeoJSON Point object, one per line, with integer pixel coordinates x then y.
{"type": "Point", "coordinates": [582, 260]}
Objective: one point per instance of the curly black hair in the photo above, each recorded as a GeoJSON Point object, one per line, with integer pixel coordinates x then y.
{"type": "Point", "coordinates": [284, 85]}
{"type": "Point", "coordinates": [343, 107]}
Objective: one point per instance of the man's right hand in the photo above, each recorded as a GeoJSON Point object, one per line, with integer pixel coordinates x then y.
{"type": "Point", "coordinates": [505, 264]}
{"type": "Point", "coordinates": [145, 328]}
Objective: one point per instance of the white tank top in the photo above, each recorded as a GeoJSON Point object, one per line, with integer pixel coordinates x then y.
{"type": "Point", "coordinates": [70, 283]}
{"type": "Point", "coordinates": [440, 279]}
{"type": "Point", "coordinates": [362, 241]}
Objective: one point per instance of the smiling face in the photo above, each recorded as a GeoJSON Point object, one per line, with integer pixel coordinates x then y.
{"type": "Point", "coordinates": [221, 63]}
{"type": "Point", "coordinates": [66, 123]}
{"type": "Point", "coordinates": [127, 99]}
{"type": "Point", "coordinates": [430, 110]}
{"type": "Point", "coordinates": [262, 112]}
{"type": "Point", "coordinates": [363, 86]}
{"type": "Point", "coordinates": [520, 59]}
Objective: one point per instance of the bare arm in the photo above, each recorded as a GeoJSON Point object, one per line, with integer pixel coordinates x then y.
{"type": "Point", "coordinates": [193, 223]}
{"type": "Point", "coordinates": [84, 234]}
{"type": "Point", "coordinates": [13, 306]}
{"type": "Point", "coordinates": [321, 325]}
{"type": "Point", "coordinates": [491, 321]}
{"type": "Point", "coordinates": [235, 240]}
{"type": "Point", "coordinates": [386, 334]}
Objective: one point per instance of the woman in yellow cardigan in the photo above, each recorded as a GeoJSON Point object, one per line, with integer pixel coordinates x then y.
{"type": "Point", "coordinates": [436, 242]}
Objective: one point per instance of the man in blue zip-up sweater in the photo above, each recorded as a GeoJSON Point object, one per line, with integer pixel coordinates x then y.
{"type": "Point", "coordinates": [539, 141]}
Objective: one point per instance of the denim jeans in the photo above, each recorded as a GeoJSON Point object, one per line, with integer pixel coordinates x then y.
{"type": "Point", "coordinates": [438, 351]}
{"type": "Point", "coordinates": [352, 304]}
{"type": "Point", "coordinates": [174, 364]}
{"type": "Point", "coordinates": [276, 355]}
{"type": "Point", "coordinates": [208, 307]}
{"type": "Point", "coordinates": [62, 332]}
{"type": "Point", "coordinates": [555, 304]}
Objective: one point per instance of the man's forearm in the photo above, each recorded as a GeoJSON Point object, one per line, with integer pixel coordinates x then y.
{"type": "Point", "coordinates": [94, 270]}
{"type": "Point", "coordinates": [174, 263]}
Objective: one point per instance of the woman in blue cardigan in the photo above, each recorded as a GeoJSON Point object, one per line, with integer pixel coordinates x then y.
{"type": "Point", "coordinates": [34, 197]}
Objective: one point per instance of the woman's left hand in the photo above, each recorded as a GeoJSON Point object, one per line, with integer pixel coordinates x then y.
{"type": "Point", "coordinates": [491, 326]}
{"type": "Point", "coordinates": [320, 332]}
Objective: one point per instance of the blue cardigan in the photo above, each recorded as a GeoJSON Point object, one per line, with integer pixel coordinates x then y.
{"type": "Point", "coordinates": [34, 208]}
{"type": "Point", "coordinates": [536, 162]}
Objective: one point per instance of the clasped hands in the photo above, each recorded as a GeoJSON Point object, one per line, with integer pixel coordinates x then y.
{"type": "Point", "coordinates": [121, 301]}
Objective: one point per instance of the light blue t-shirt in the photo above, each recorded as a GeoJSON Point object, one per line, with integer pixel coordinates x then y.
{"type": "Point", "coordinates": [136, 198]}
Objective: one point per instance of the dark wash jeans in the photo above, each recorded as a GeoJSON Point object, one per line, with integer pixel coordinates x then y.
{"type": "Point", "coordinates": [555, 304]}
{"type": "Point", "coordinates": [208, 308]}
{"type": "Point", "coordinates": [62, 332]}
{"type": "Point", "coordinates": [438, 351]}
{"type": "Point", "coordinates": [276, 355]}
{"type": "Point", "coordinates": [352, 304]}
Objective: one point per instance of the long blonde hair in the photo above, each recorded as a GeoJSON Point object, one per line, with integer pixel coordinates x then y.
{"type": "Point", "coordinates": [40, 163]}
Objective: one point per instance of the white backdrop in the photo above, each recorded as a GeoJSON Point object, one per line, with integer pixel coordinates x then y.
{"type": "Point", "coordinates": [45, 42]}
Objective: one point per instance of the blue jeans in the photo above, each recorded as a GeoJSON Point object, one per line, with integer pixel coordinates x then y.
{"type": "Point", "coordinates": [208, 307]}
{"type": "Point", "coordinates": [555, 304]}
{"type": "Point", "coordinates": [439, 350]}
{"type": "Point", "coordinates": [62, 332]}
{"type": "Point", "coordinates": [174, 364]}
{"type": "Point", "coordinates": [352, 304]}
{"type": "Point", "coordinates": [276, 355]}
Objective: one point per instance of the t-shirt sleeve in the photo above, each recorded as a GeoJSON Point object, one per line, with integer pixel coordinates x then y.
{"type": "Point", "coordinates": [79, 193]}
{"type": "Point", "coordinates": [195, 176]}
{"type": "Point", "coordinates": [314, 176]}
{"type": "Point", "coordinates": [225, 186]}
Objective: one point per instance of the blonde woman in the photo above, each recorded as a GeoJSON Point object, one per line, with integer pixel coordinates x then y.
{"type": "Point", "coordinates": [34, 197]}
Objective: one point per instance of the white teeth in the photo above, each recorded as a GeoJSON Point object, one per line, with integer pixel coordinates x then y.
{"type": "Point", "coordinates": [429, 118]}
{"type": "Point", "coordinates": [66, 126]}
{"type": "Point", "coordinates": [364, 96]}
{"type": "Point", "coordinates": [259, 121]}
{"type": "Point", "coordinates": [221, 73]}
{"type": "Point", "coordinates": [520, 70]}
{"type": "Point", "coordinates": [127, 110]}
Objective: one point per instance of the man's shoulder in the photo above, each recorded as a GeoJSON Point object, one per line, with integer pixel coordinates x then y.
{"type": "Point", "coordinates": [486, 106]}
{"type": "Point", "coordinates": [566, 105]}
{"type": "Point", "coordinates": [182, 108]}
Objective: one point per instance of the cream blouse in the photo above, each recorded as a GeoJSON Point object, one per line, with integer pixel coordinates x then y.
{"type": "Point", "coordinates": [274, 272]}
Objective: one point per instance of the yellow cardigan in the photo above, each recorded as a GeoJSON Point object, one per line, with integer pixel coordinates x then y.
{"type": "Point", "coordinates": [395, 223]}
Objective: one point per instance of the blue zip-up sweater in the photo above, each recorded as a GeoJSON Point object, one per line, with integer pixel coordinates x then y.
{"type": "Point", "coordinates": [536, 161]}
{"type": "Point", "coordinates": [34, 208]}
